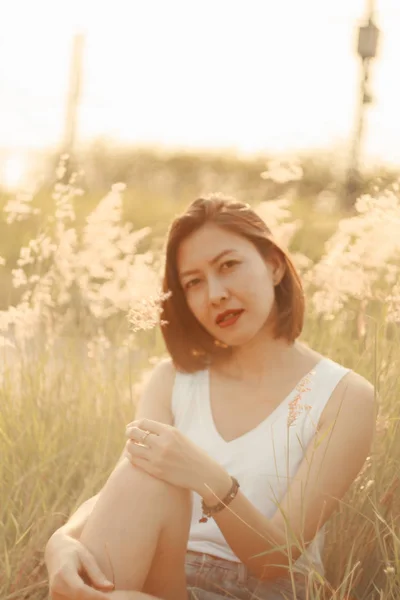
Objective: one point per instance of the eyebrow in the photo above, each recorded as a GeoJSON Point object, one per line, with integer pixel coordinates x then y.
{"type": "Point", "coordinates": [212, 262]}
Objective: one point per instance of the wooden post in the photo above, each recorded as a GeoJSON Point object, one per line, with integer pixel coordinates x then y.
{"type": "Point", "coordinates": [74, 94]}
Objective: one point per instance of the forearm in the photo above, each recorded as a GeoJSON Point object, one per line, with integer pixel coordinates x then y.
{"type": "Point", "coordinates": [248, 532]}
{"type": "Point", "coordinates": [255, 540]}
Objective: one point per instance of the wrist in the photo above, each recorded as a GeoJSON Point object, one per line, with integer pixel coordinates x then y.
{"type": "Point", "coordinates": [64, 531]}
{"type": "Point", "coordinates": [54, 539]}
{"type": "Point", "coordinates": [215, 486]}
{"type": "Point", "coordinates": [53, 547]}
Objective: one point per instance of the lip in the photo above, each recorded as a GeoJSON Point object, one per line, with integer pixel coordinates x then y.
{"type": "Point", "coordinates": [235, 315]}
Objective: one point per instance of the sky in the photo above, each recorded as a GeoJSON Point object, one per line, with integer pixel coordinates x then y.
{"type": "Point", "coordinates": [248, 75]}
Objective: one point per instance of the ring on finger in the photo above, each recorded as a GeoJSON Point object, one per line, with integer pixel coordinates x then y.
{"type": "Point", "coordinates": [144, 438]}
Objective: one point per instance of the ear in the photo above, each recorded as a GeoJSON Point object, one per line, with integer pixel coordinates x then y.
{"type": "Point", "coordinates": [277, 265]}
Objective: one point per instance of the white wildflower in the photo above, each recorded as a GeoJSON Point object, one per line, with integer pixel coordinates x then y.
{"type": "Point", "coordinates": [278, 217]}
{"type": "Point", "coordinates": [108, 265]}
{"type": "Point", "coordinates": [62, 166]}
{"type": "Point", "coordinates": [25, 257]}
{"type": "Point", "coordinates": [19, 278]}
{"type": "Point", "coordinates": [274, 212]}
{"type": "Point", "coordinates": [301, 262]}
{"type": "Point", "coordinates": [144, 313]}
{"type": "Point", "coordinates": [360, 258]}
{"type": "Point", "coordinates": [283, 171]}
{"type": "Point", "coordinates": [20, 208]}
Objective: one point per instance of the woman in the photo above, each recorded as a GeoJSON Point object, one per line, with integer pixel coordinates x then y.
{"type": "Point", "coordinates": [245, 440]}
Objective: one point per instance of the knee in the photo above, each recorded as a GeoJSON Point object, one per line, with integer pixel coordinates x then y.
{"type": "Point", "coordinates": [129, 476]}
{"type": "Point", "coordinates": [178, 498]}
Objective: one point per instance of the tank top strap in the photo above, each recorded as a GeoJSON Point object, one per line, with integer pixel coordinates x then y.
{"type": "Point", "coordinates": [325, 382]}
{"type": "Point", "coordinates": [184, 401]}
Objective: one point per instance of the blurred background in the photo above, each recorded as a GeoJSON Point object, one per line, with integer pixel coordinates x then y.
{"type": "Point", "coordinates": [243, 78]}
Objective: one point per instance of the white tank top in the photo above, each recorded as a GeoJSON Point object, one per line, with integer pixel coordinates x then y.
{"type": "Point", "coordinates": [258, 459]}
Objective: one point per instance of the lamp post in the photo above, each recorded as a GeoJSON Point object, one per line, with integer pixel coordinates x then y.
{"type": "Point", "coordinates": [368, 37]}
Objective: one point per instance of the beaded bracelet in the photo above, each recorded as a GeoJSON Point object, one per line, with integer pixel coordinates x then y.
{"type": "Point", "coordinates": [208, 511]}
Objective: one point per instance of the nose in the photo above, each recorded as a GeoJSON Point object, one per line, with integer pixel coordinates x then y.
{"type": "Point", "coordinates": [216, 291]}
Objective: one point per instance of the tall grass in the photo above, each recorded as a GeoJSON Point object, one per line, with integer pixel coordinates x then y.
{"type": "Point", "coordinates": [72, 370]}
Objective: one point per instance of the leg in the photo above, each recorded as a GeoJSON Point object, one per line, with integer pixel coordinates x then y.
{"type": "Point", "coordinates": [138, 534]}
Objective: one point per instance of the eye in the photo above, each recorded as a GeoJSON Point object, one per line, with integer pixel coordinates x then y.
{"type": "Point", "coordinates": [228, 264]}
{"type": "Point", "coordinates": [191, 283]}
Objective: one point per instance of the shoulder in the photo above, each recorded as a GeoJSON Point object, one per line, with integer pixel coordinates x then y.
{"type": "Point", "coordinates": [162, 377]}
{"type": "Point", "coordinates": [165, 373]}
{"type": "Point", "coordinates": [164, 370]}
{"type": "Point", "coordinates": [155, 400]}
{"type": "Point", "coordinates": [353, 398]}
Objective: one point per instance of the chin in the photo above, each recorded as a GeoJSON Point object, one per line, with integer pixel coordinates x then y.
{"type": "Point", "coordinates": [235, 341]}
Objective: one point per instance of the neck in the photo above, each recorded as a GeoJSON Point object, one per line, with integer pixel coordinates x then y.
{"type": "Point", "coordinates": [261, 355]}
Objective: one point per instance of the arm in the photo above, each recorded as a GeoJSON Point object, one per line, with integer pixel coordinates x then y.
{"type": "Point", "coordinates": [328, 469]}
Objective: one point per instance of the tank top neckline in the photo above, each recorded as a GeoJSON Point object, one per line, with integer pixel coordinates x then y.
{"type": "Point", "coordinates": [273, 416]}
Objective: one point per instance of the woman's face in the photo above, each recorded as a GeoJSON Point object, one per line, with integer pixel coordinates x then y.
{"type": "Point", "coordinates": [228, 285]}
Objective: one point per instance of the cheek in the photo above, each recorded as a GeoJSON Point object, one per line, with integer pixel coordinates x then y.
{"type": "Point", "coordinates": [261, 294]}
{"type": "Point", "coordinates": [257, 281]}
{"type": "Point", "coordinates": [195, 303]}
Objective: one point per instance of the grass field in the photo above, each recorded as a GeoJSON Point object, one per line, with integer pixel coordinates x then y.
{"type": "Point", "coordinates": [72, 370]}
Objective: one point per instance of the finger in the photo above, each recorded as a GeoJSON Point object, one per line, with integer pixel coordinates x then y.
{"type": "Point", "coordinates": [69, 584]}
{"type": "Point", "coordinates": [145, 465]}
{"type": "Point", "coordinates": [140, 436]}
{"type": "Point", "coordinates": [137, 451]}
{"type": "Point", "coordinates": [149, 425]}
{"type": "Point", "coordinates": [94, 574]}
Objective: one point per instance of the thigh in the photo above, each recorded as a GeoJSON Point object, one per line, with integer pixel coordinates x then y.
{"type": "Point", "coordinates": [126, 523]}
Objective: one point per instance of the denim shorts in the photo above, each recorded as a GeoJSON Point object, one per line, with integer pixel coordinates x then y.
{"type": "Point", "coordinates": [212, 578]}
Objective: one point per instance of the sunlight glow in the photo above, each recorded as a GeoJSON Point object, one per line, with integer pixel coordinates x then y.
{"type": "Point", "coordinates": [13, 172]}
{"type": "Point", "coordinates": [254, 75]}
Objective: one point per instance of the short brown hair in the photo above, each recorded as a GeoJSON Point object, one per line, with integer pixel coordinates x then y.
{"type": "Point", "coordinates": [191, 347]}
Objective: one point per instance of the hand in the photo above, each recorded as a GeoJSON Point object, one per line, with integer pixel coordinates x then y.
{"type": "Point", "coordinates": [169, 455]}
{"type": "Point", "coordinates": [73, 570]}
